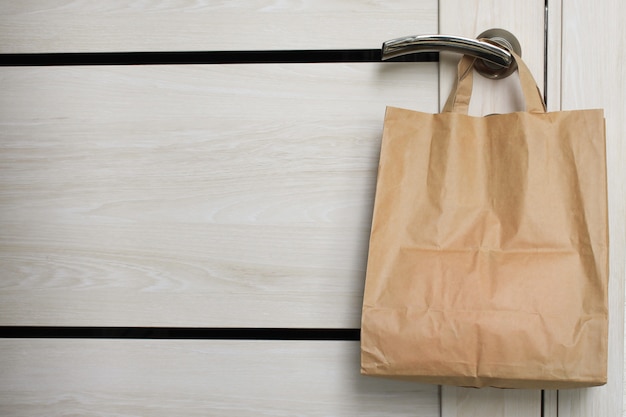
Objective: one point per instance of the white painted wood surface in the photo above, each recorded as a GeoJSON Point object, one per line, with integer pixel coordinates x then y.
{"type": "Point", "coordinates": [525, 19]}
{"type": "Point", "coordinates": [594, 76]}
{"type": "Point", "coordinates": [192, 195]}
{"type": "Point", "coordinates": [196, 196]}
{"type": "Point", "coordinates": [123, 189]}
{"type": "Point", "coordinates": [123, 25]}
{"type": "Point", "coordinates": [466, 402]}
{"type": "Point", "coordinates": [199, 378]}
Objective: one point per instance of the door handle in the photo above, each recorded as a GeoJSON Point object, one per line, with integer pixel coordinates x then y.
{"type": "Point", "coordinates": [492, 49]}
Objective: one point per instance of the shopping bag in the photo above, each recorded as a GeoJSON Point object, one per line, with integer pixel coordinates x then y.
{"type": "Point", "coordinates": [488, 257]}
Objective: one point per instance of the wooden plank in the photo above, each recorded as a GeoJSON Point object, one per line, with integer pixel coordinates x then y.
{"type": "Point", "coordinates": [594, 76]}
{"type": "Point", "coordinates": [464, 402]}
{"type": "Point", "coordinates": [526, 21]}
{"type": "Point", "coordinates": [122, 25]}
{"type": "Point", "coordinates": [192, 195]}
{"type": "Point", "coordinates": [199, 378]}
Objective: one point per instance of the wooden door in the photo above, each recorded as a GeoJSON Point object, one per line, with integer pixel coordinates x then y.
{"type": "Point", "coordinates": [205, 225]}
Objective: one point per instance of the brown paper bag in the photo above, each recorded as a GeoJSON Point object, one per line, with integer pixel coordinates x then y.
{"type": "Point", "coordinates": [488, 256]}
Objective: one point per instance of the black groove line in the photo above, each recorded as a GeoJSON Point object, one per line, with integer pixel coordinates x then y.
{"type": "Point", "coordinates": [199, 333]}
{"type": "Point", "coordinates": [206, 57]}
{"type": "Point", "coordinates": [546, 44]}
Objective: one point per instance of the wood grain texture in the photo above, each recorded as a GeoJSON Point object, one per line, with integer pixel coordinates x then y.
{"type": "Point", "coordinates": [525, 19]}
{"type": "Point", "coordinates": [194, 195]}
{"type": "Point", "coordinates": [464, 402]}
{"type": "Point", "coordinates": [124, 25]}
{"type": "Point", "coordinates": [594, 76]}
{"type": "Point", "coordinates": [199, 378]}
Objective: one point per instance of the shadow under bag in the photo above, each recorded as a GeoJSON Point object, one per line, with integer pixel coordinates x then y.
{"type": "Point", "coordinates": [488, 258]}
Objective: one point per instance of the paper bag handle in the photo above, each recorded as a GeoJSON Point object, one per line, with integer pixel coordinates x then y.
{"type": "Point", "coordinates": [459, 99]}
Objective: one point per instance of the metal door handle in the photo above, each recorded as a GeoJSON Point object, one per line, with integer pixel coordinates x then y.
{"type": "Point", "coordinates": [492, 49]}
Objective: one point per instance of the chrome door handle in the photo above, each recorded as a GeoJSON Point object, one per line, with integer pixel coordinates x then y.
{"type": "Point", "coordinates": [492, 49]}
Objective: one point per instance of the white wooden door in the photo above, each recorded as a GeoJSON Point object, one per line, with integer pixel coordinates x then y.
{"type": "Point", "coordinates": [206, 225]}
